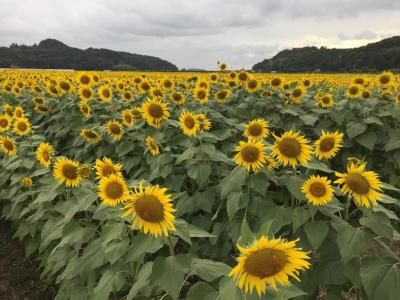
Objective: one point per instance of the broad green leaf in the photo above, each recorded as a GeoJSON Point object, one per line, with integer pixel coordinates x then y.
{"type": "Point", "coordinates": [142, 280]}
{"type": "Point", "coordinates": [317, 165]}
{"type": "Point", "coordinates": [352, 242]}
{"type": "Point", "coordinates": [110, 281]}
{"type": "Point", "coordinates": [378, 223]}
{"type": "Point", "coordinates": [316, 233]}
{"type": "Point", "coordinates": [228, 290]}
{"type": "Point", "coordinates": [247, 236]}
{"type": "Point", "coordinates": [200, 172]}
{"type": "Point", "coordinates": [294, 184]}
{"type": "Point", "coordinates": [209, 270]}
{"type": "Point", "coordinates": [354, 129]}
{"type": "Point", "coordinates": [368, 140]}
{"type": "Point", "coordinates": [200, 291]}
{"type": "Point", "coordinates": [233, 181]}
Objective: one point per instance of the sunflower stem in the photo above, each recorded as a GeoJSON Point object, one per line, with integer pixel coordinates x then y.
{"type": "Point", "coordinates": [171, 246]}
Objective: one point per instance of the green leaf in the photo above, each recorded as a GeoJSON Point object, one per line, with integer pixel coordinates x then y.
{"type": "Point", "coordinates": [380, 278]}
{"type": "Point", "coordinates": [142, 244]}
{"type": "Point", "coordinates": [378, 223]}
{"type": "Point", "coordinates": [316, 233]}
{"type": "Point", "coordinates": [317, 165]}
{"type": "Point", "coordinates": [233, 203]}
{"type": "Point", "coordinates": [115, 250]}
{"type": "Point", "coordinates": [187, 154]}
{"type": "Point", "coordinates": [258, 182]}
{"type": "Point", "coordinates": [294, 184]}
{"type": "Point", "coordinates": [209, 270]}
{"type": "Point", "coordinates": [199, 291]}
{"type": "Point", "coordinates": [182, 230]}
{"type": "Point", "coordinates": [233, 181]}
{"type": "Point", "coordinates": [200, 172]}
{"type": "Point", "coordinates": [393, 144]}
{"type": "Point", "coordinates": [112, 231]}
{"type": "Point", "coordinates": [228, 290]}
{"type": "Point", "coordinates": [352, 242]}
{"type": "Point", "coordinates": [143, 280]}
{"type": "Point", "coordinates": [309, 119]}
{"type": "Point", "coordinates": [247, 236]}
{"type": "Point", "coordinates": [196, 232]}
{"type": "Point", "coordinates": [354, 129]}
{"type": "Point", "coordinates": [124, 148]}
{"type": "Point", "coordinates": [110, 281]}
{"type": "Point", "coordinates": [368, 140]}
{"type": "Point", "coordinates": [169, 273]}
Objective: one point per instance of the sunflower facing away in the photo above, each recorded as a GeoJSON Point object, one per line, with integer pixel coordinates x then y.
{"type": "Point", "coordinates": [113, 190]}
{"type": "Point", "coordinates": [105, 167]}
{"type": "Point", "coordinates": [5, 122]}
{"type": "Point", "coordinates": [67, 170]}
{"type": "Point", "coordinates": [250, 155]}
{"type": "Point", "coordinates": [90, 136]}
{"type": "Point", "coordinates": [291, 149]}
{"type": "Point", "coordinates": [114, 129]}
{"type": "Point", "coordinates": [328, 144]}
{"type": "Point", "coordinates": [8, 146]}
{"type": "Point", "coordinates": [268, 262]}
{"type": "Point", "coordinates": [364, 186]}
{"type": "Point", "coordinates": [22, 127]}
{"type": "Point", "coordinates": [152, 146]}
{"type": "Point", "coordinates": [189, 123]}
{"type": "Point", "coordinates": [44, 154]}
{"type": "Point", "coordinates": [318, 190]}
{"type": "Point", "coordinates": [256, 129]}
{"type": "Point", "coordinates": [151, 210]}
{"type": "Point", "coordinates": [155, 111]}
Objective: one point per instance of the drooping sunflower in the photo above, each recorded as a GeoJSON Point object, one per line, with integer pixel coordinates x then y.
{"type": "Point", "coordinates": [201, 95]}
{"type": "Point", "coordinates": [177, 98]}
{"type": "Point", "coordinates": [328, 144]}
{"type": "Point", "coordinates": [113, 190]}
{"type": "Point", "coordinates": [42, 109]}
{"type": "Point", "coordinates": [105, 167]}
{"type": "Point", "coordinates": [155, 112]}
{"type": "Point", "coordinates": [325, 101]}
{"type": "Point", "coordinates": [354, 91]}
{"type": "Point", "coordinates": [152, 146]}
{"type": "Point", "coordinates": [114, 129]}
{"type": "Point", "coordinates": [151, 210]}
{"type": "Point", "coordinates": [67, 170]}
{"type": "Point", "coordinates": [256, 129]}
{"type": "Point", "coordinates": [268, 262]}
{"type": "Point", "coordinates": [90, 136]}
{"type": "Point", "coordinates": [8, 146]}
{"type": "Point", "coordinates": [363, 186]}
{"type": "Point", "coordinates": [291, 149]}
{"type": "Point", "coordinates": [44, 154]}
{"type": "Point", "coordinates": [205, 123]}
{"type": "Point", "coordinates": [5, 122]}
{"type": "Point", "coordinates": [250, 155]}
{"type": "Point", "coordinates": [127, 117]}
{"type": "Point", "coordinates": [38, 101]}
{"type": "Point", "coordinates": [27, 182]}
{"type": "Point", "coordinates": [189, 123]}
{"type": "Point", "coordinates": [22, 127]}
{"type": "Point", "coordinates": [318, 190]}
{"type": "Point", "coordinates": [85, 109]}
{"type": "Point", "coordinates": [105, 93]}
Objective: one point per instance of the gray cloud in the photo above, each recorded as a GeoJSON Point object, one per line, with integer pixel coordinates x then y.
{"type": "Point", "coordinates": [199, 33]}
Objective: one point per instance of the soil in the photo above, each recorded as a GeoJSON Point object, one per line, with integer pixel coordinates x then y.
{"type": "Point", "coordinates": [19, 275]}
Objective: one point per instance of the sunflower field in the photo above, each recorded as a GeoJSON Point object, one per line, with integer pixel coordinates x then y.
{"type": "Point", "coordinates": [226, 185]}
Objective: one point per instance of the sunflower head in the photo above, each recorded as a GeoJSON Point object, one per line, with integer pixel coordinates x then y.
{"type": "Point", "coordinates": [325, 101]}
{"type": "Point", "coordinates": [113, 190]}
{"type": "Point", "coordinates": [256, 129]}
{"type": "Point", "coordinates": [22, 127]}
{"type": "Point", "coordinates": [90, 136]}
{"type": "Point", "coordinates": [177, 98]}
{"type": "Point", "coordinates": [201, 94]}
{"type": "Point", "coordinates": [189, 123]}
{"type": "Point", "coordinates": [67, 171]}
{"type": "Point", "coordinates": [354, 91]}
{"type": "Point", "coordinates": [318, 190]}
{"type": "Point", "coordinates": [8, 146]}
{"type": "Point", "coordinates": [152, 146]}
{"type": "Point", "coordinates": [105, 167]}
{"type": "Point", "coordinates": [27, 182]}
{"type": "Point", "coordinates": [5, 122]}
{"type": "Point", "coordinates": [250, 155]}
{"type": "Point", "coordinates": [105, 93]}
{"type": "Point", "coordinates": [85, 170]}
{"type": "Point", "coordinates": [114, 129]}
{"type": "Point", "coordinates": [328, 144]}
{"type": "Point", "coordinates": [222, 96]}
{"type": "Point", "coordinates": [44, 154]}
{"type": "Point", "coordinates": [155, 111]}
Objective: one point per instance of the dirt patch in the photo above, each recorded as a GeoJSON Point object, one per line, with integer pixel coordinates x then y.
{"type": "Point", "coordinates": [19, 275]}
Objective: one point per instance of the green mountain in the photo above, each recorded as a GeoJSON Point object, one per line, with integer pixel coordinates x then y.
{"type": "Point", "coordinates": [52, 54]}
{"type": "Point", "coordinates": [383, 55]}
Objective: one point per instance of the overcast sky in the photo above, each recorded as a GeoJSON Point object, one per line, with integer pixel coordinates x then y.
{"type": "Point", "coordinates": [196, 34]}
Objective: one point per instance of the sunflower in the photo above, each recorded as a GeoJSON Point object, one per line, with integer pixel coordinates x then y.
{"type": "Point", "coordinates": [105, 167]}
{"type": "Point", "coordinates": [318, 190]}
{"type": "Point", "coordinates": [152, 146]}
{"type": "Point", "coordinates": [84, 78]}
{"type": "Point", "coordinates": [189, 123]}
{"type": "Point", "coordinates": [205, 123]}
{"type": "Point", "coordinates": [243, 76]}
{"type": "Point", "coordinates": [364, 186]}
{"type": "Point", "coordinates": [325, 101]}
{"type": "Point", "coordinates": [328, 144]}
{"type": "Point", "coordinates": [151, 210]}
{"type": "Point", "coordinates": [177, 98]}
{"type": "Point", "coordinates": [8, 146]}
{"type": "Point", "coordinates": [354, 160]}
{"type": "Point", "coordinates": [398, 98]}
{"type": "Point", "coordinates": [297, 94]}
{"type": "Point", "coordinates": [386, 78]}
{"type": "Point", "coordinates": [222, 96]}
{"type": "Point", "coordinates": [67, 170]}
{"type": "Point", "coordinates": [252, 85]}
{"type": "Point", "coordinates": [136, 114]}
{"type": "Point", "coordinates": [38, 101]}
{"type": "Point", "coordinates": [127, 117]}
{"type": "Point", "coordinates": [250, 155]}
{"type": "Point", "coordinates": [201, 95]}
{"type": "Point", "coordinates": [5, 122]}
{"type": "Point", "coordinates": [114, 129]}
{"type": "Point", "coordinates": [42, 109]}
{"type": "Point", "coordinates": [267, 262]}
{"type": "Point", "coordinates": [113, 190]}
{"type": "Point", "coordinates": [354, 91]}
{"type": "Point", "coordinates": [86, 93]}
{"type": "Point", "coordinates": [90, 136]}
{"type": "Point", "coordinates": [276, 82]}
{"type": "Point", "coordinates": [271, 163]}
{"type": "Point", "coordinates": [256, 129]}
{"type": "Point", "coordinates": [18, 112]}
{"type": "Point", "coordinates": [223, 66]}
{"type": "Point", "coordinates": [105, 93]}
{"type": "Point", "coordinates": [85, 109]}
{"type": "Point", "coordinates": [167, 84]}
{"type": "Point", "coordinates": [27, 182]}
{"type": "Point", "coordinates": [85, 170]}
{"type": "Point", "coordinates": [44, 154]}
{"type": "Point", "coordinates": [22, 127]}
{"type": "Point", "coordinates": [291, 149]}
{"type": "Point", "coordinates": [155, 112]}
{"type": "Point", "coordinates": [65, 86]}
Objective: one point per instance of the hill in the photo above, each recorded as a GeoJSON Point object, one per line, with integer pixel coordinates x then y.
{"type": "Point", "coordinates": [379, 56]}
{"type": "Point", "coordinates": [53, 54]}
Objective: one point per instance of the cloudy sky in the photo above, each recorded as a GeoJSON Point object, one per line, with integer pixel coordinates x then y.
{"type": "Point", "coordinates": [196, 34]}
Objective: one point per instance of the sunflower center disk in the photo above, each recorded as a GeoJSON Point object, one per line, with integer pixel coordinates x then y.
{"type": "Point", "coordinates": [108, 170]}
{"type": "Point", "coordinates": [87, 93]}
{"type": "Point", "coordinates": [3, 123]}
{"type": "Point", "coordinates": [326, 100]}
{"type": "Point", "coordinates": [357, 183]}
{"type": "Point", "coordinates": [353, 90]}
{"type": "Point", "coordinates": [297, 93]}
{"type": "Point", "coordinates": [317, 189]}
{"type": "Point", "coordinates": [45, 155]}
{"type": "Point", "coordinates": [69, 172]}
{"type": "Point", "coordinates": [106, 93]}
{"type": "Point", "coordinates": [156, 111]}
{"type": "Point", "coordinates": [255, 130]}
{"type": "Point", "coordinates": [327, 144]}
{"type": "Point", "coordinates": [265, 263]}
{"type": "Point", "coordinates": [252, 84]}
{"type": "Point", "coordinates": [8, 145]}
{"type": "Point", "coordinates": [384, 79]}
{"type": "Point", "coordinates": [114, 190]}
{"type": "Point", "coordinates": [250, 154]}
{"type": "Point", "coordinates": [149, 208]}
{"type": "Point", "coordinates": [91, 134]}
{"type": "Point", "coordinates": [289, 147]}
{"type": "Point", "coordinates": [115, 129]}
{"type": "Point", "coordinates": [201, 94]}
{"type": "Point", "coordinates": [222, 95]}
{"type": "Point", "coordinates": [189, 122]}
{"type": "Point", "coordinates": [22, 126]}
{"type": "Point", "coordinates": [275, 82]}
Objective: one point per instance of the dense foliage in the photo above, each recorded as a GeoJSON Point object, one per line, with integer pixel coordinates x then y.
{"type": "Point", "coordinates": [380, 56]}
{"type": "Point", "coordinates": [207, 177]}
{"type": "Point", "coordinates": [52, 54]}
